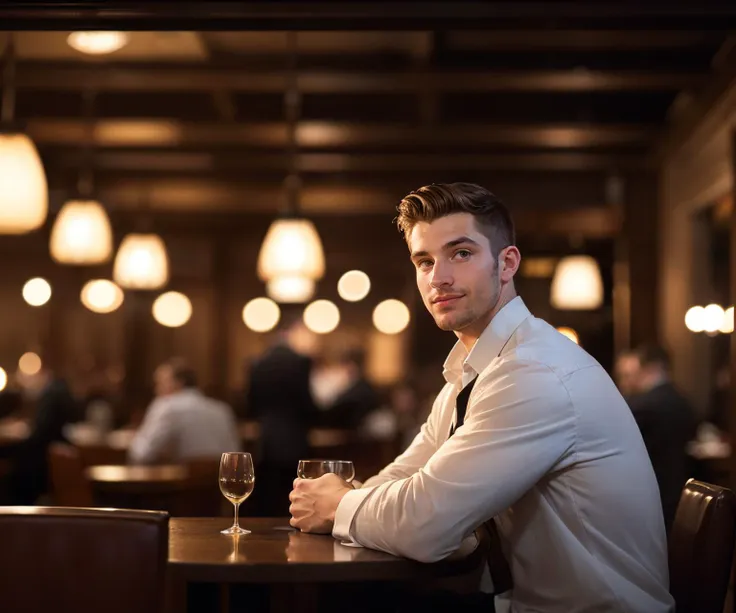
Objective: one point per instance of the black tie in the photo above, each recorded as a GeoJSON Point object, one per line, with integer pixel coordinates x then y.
{"type": "Point", "coordinates": [497, 564]}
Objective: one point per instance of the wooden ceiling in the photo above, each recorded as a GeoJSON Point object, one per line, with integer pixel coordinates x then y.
{"type": "Point", "coordinates": [465, 91]}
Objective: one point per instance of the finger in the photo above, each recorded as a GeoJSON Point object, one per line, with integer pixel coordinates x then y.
{"type": "Point", "coordinates": [293, 522]}
{"type": "Point", "coordinates": [297, 482]}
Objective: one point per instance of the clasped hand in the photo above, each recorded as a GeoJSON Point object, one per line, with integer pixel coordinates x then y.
{"type": "Point", "coordinates": [314, 502]}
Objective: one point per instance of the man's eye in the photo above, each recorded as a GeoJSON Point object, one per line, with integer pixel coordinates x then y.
{"type": "Point", "coordinates": [463, 254]}
{"type": "Point", "coordinates": [424, 263]}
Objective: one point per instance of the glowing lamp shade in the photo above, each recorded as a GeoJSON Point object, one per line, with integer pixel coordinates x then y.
{"type": "Point", "coordinates": [713, 318]}
{"type": "Point", "coordinates": [727, 325]}
{"type": "Point", "coordinates": [37, 291]}
{"type": "Point", "coordinates": [261, 314]}
{"type": "Point", "coordinates": [569, 333]}
{"type": "Point", "coordinates": [290, 289]}
{"type": "Point", "coordinates": [97, 43]}
{"type": "Point", "coordinates": [577, 284]}
{"type": "Point", "coordinates": [141, 262]}
{"type": "Point", "coordinates": [3, 379]}
{"type": "Point", "coordinates": [101, 296]}
{"type": "Point", "coordinates": [81, 234]}
{"type": "Point", "coordinates": [30, 363]}
{"type": "Point", "coordinates": [391, 316]}
{"type": "Point", "coordinates": [172, 309]}
{"type": "Point", "coordinates": [354, 285]}
{"type": "Point", "coordinates": [322, 316]}
{"type": "Point", "coordinates": [23, 188]}
{"type": "Point", "coordinates": [695, 319]}
{"type": "Point", "coordinates": [292, 248]}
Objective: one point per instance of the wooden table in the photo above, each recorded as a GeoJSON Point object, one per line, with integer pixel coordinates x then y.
{"type": "Point", "coordinates": [275, 553]}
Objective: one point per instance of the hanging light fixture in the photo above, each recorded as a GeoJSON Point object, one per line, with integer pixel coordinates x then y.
{"type": "Point", "coordinates": [291, 289]}
{"type": "Point", "coordinates": [577, 284]}
{"type": "Point", "coordinates": [291, 259]}
{"type": "Point", "coordinates": [101, 296]}
{"type": "Point", "coordinates": [141, 262]}
{"type": "Point", "coordinates": [23, 186]}
{"type": "Point", "coordinates": [81, 232]}
{"type": "Point", "coordinates": [98, 43]}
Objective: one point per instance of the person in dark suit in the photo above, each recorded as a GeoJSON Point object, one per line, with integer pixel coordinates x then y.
{"type": "Point", "coordinates": [358, 399]}
{"type": "Point", "coordinates": [280, 399]}
{"type": "Point", "coordinates": [666, 421]}
{"type": "Point", "coordinates": [54, 408]}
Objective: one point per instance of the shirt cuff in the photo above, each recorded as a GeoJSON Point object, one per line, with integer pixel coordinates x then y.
{"type": "Point", "coordinates": [346, 510]}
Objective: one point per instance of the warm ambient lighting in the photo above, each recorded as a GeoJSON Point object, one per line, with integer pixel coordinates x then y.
{"type": "Point", "coordinates": [322, 316]}
{"type": "Point", "coordinates": [577, 284]}
{"type": "Point", "coordinates": [141, 262]}
{"type": "Point", "coordinates": [354, 285]}
{"type": "Point", "coordinates": [3, 379]}
{"type": "Point", "coordinates": [261, 314]}
{"type": "Point", "coordinates": [101, 296]}
{"type": "Point", "coordinates": [37, 291]}
{"type": "Point", "coordinates": [569, 333]}
{"type": "Point", "coordinates": [30, 363]}
{"type": "Point", "coordinates": [727, 325]}
{"type": "Point", "coordinates": [23, 187]}
{"type": "Point", "coordinates": [290, 289]}
{"type": "Point", "coordinates": [97, 43]}
{"type": "Point", "coordinates": [713, 316]}
{"type": "Point", "coordinates": [391, 316]}
{"type": "Point", "coordinates": [292, 247]}
{"type": "Point", "coordinates": [695, 319]}
{"type": "Point", "coordinates": [81, 234]}
{"type": "Point", "coordinates": [172, 309]}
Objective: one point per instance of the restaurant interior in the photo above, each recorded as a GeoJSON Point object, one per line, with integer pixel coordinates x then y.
{"type": "Point", "coordinates": [185, 186]}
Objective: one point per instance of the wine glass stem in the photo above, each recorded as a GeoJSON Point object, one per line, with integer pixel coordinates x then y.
{"type": "Point", "coordinates": [237, 506]}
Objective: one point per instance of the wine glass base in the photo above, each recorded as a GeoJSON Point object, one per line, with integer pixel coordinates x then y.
{"type": "Point", "coordinates": [235, 530]}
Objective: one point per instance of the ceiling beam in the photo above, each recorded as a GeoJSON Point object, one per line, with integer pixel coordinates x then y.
{"type": "Point", "coordinates": [50, 76]}
{"type": "Point", "coordinates": [172, 161]}
{"type": "Point", "coordinates": [210, 201]}
{"type": "Point", "coordinates": [400, 14]}
{"type": "Point", "coordinates": [332, 135]}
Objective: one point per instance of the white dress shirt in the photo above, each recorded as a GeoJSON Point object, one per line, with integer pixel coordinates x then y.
{"type": "Point", "coordinates": [550, 449]}
{"type": "Point", "coordinates": [182, 426]}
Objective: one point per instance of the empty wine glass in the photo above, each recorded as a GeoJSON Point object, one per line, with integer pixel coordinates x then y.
{"type": "Point", "coordinates": [237, 479]}
{"type": "Point", "coordinates": [313, 469]}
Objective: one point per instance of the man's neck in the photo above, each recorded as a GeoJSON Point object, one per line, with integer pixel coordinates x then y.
{"type": "Point", "coordinates": [469, 336]}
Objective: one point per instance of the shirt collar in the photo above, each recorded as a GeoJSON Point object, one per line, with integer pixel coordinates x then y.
{"type": "Point", "coordinates": [489, 344]}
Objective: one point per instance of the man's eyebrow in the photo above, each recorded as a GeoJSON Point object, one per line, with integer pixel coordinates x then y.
{"type": "Point", "coordinates": [448, 245]}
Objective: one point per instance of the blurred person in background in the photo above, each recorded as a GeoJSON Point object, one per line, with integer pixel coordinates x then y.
{"type": "Point", "coordinates": [55, 407]}
{"type": "Point", "coordinates": [626, 371]}
{"type": "Point", "coordinates": [182, 423]}
{"type": "Point", "coordinates": [666, 421]}
{"type": "Point", "coordinates": [279, 397]}
{"type": "Point", "coordinates": [357, 397]}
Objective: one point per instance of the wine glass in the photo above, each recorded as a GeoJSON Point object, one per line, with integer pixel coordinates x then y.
{"type": "Point", "coordinates": [237, 479]}
{"type": "Point", "coordinates": [313, 469]}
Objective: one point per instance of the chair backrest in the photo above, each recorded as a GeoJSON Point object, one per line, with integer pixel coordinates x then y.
{"type": "Point", "coordinates": [701, 547]}
{"type": "Point", "coordinates": [82, 560]}
{"type": "Point", "coordinates": [70, 486]}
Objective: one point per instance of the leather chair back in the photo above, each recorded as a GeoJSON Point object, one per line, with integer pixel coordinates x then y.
{"type": "Point", "coordinates": [82, 560]}
{"type": "Point", "coordinates": [701, 547]}
{"type": "Point", "coordinates": [70, 486]}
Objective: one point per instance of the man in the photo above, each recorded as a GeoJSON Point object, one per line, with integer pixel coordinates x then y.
{"type": "Point", "coordinates": [54, 408]}
{"type": "Point", "coordinates": [358, 398]}
{"type": "Point", "coordinates": [279, 397]}
{"type": "Point", "coordinates": [666, 421]}
{"type": "Point", "coordinates": [626, 371]}
{"type": "Point", "coordinates": [546, 446]}
{"type": "Point", "coordinates": [182, 423]}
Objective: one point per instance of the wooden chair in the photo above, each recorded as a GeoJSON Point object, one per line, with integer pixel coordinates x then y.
{"type": "Point", "coordinates": [82, 560]}
{"type": "Point", "coordinates": [701, 547]}
{"type": "Point", "coordinates": [70, 486]}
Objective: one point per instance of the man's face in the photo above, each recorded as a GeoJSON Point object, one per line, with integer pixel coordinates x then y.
{"type": "Point", "coordinates": [457, 275]}
{"type": "Point", "coordinates": [164, 381]}
{"type": "Point", "coordinates": [628, 371]}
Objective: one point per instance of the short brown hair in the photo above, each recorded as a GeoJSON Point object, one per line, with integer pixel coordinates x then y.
{"type": "Point", "coordinates": [182, 372]}
{"type": "Point", "coordinates": [431, 202]}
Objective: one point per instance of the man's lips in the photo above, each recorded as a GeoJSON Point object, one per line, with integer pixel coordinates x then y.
{"type": "Point", "coordinates": [446, 299]}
